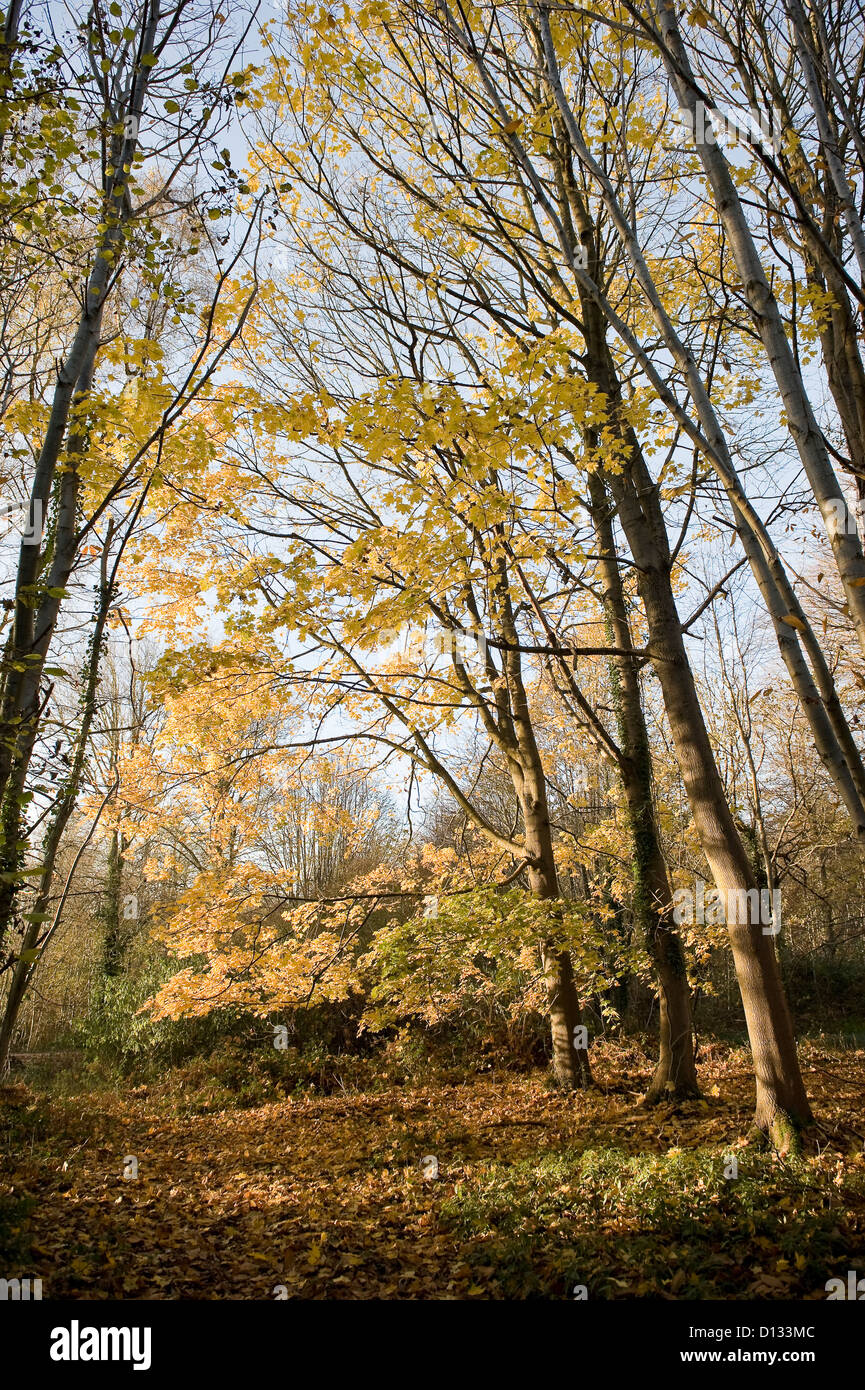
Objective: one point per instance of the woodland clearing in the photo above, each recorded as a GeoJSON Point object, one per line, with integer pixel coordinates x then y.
{"type": "Point", "coordinates": [323, 1196]}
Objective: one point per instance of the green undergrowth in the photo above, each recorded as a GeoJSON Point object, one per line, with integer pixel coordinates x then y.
{"type": "Point", "coordinates": [649, 1224]}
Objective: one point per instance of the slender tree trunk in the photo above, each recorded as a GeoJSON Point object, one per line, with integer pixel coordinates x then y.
{"type": "Point", "coordinates": [37, 608]}
{"type": "Point", "coordinates": [111, 908]}
{"type": "Point", "coordinates": [839, 346]}
{"type": "Point", "coordinates": [571, 1065]}
{"type": "Point", "coordinates": [828, 133]}
{"type": "Point", "coordinates": [833, 737]}
{"type": "Point", "coordinates": [26, 963]}
{"type": "Point", "coordinates": [769, 324]}
{"type": "Point", "coordinates": [782, 1105]}
{"type": "Point", "coordinates": [15, 997]}
{"type": "Point", "coordinates": [675, 1075]}
{"type": "Point", "coordinates": [570, 1059]}
{"type": "Point", "coordinates": [36, 619]}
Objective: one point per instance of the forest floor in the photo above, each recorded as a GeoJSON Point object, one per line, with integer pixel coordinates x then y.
{"type": "Point", "coordinates": [325, 1196]}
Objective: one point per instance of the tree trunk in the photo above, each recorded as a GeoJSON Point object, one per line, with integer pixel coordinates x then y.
{"type": "Point", "coordinates": [25, 967]}
{"type": "Point", "coordinates": [37, 608]}
{"type": "Point", "coordinates": [832, 734]}
{"type": "Point", "coordinates": [675, 1075]}
{"type": "Point", "coordinates": [571, 1066]}
{"type": "Point", "coordinates": [113, 943]}
{"type": "Point", "coordinates": [782, 1105]}
{"type": "Point", "coordinates": [769, 324]}
{"type": "Point", "coordinates": [570, 1059]}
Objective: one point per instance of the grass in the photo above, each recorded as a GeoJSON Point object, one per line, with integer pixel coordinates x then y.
{"type": "Point", "coordinates": [653, 1224]}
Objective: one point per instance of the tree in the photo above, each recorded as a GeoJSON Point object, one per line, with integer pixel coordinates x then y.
{"type": "Point", "coordinates": [485, 198]}
{"type": "Point", "coordinates": [99, 428]}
